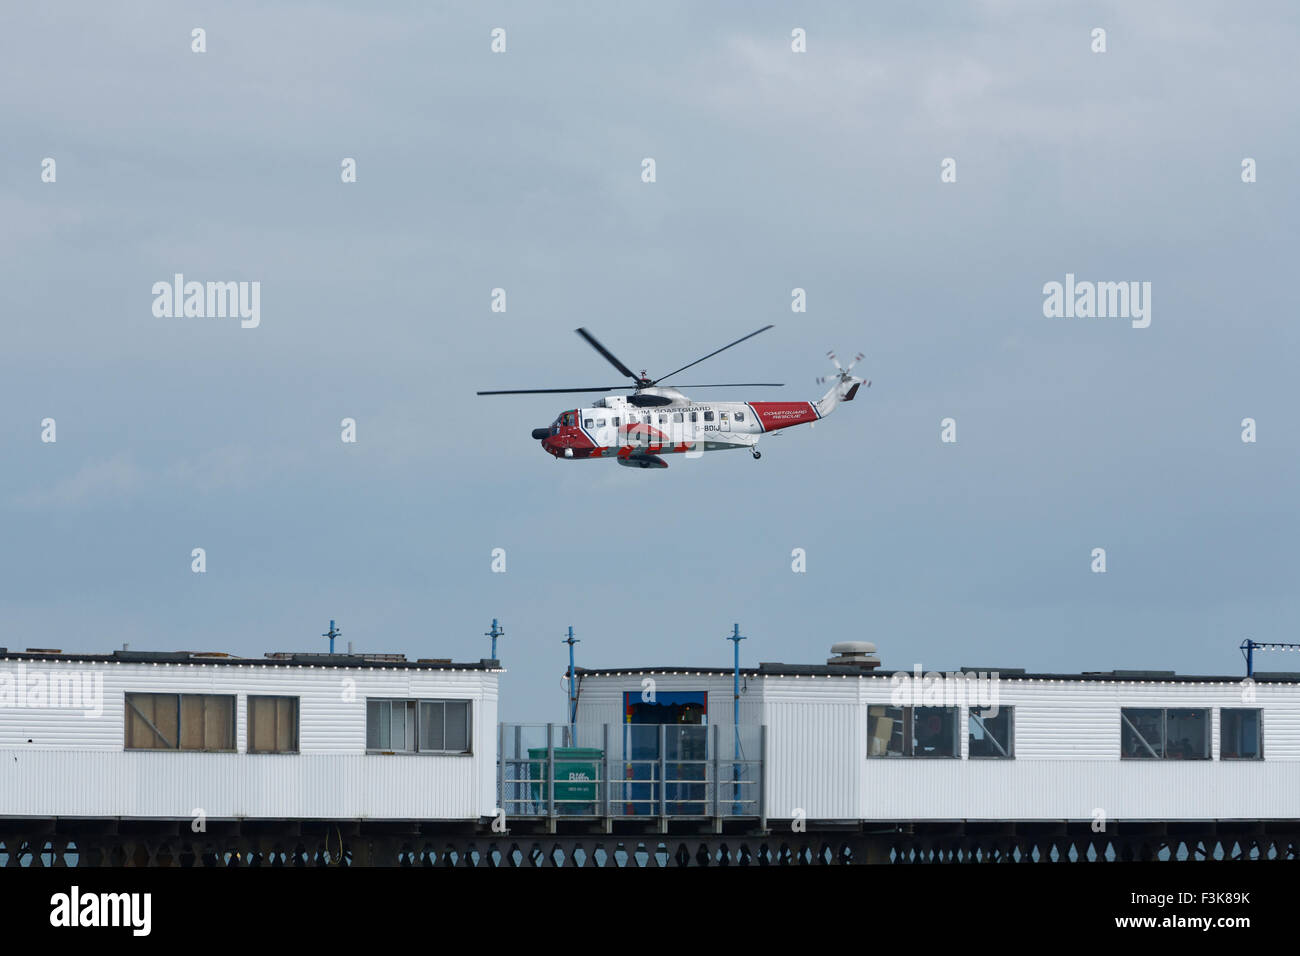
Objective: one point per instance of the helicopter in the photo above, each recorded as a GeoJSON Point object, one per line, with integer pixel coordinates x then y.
{"type": "Point", "coordinates": [658, 419]}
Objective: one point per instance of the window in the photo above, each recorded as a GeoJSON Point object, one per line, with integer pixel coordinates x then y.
{"type": "Point", "coordinates": [1174, 734]}
{"type": "Point", "coordinates": [600, 422]}
{"type": "Point", "coordinates": [708, 416]}
{"type": "Point", "coordinates": [695, 416]}
{"type": "Point", "coordinates": [180, 722]}
{"type": "Point", "coordinates": [677, 417]}
{"type": "Point", "coordinates": [885, 731]}
{"type": "Point", "coordinates": [647, 419]}
{"type": "Point", "coordinates": [911, 731]}
{"type": "Point", "coordinates": [390, 725]}
{"type": "Point", "coordinates": [272, 725]}
{"type": "Point", "coordinates": [740, 416]}
{"type": "Point", "coordinates": [587, 422]}
{"type": "Point", "coordinates": [934, 732]}
{"type": "Point", "coordinates": [663, 419]}
{"type": "Point", "coordinates": [443, 726]}
{"type": "Point", "coordinates": [990, 732]}
{"type": "Point", "coordinates": [614, 421]}
{"type": "Point", "coordinates": [1241, 734]}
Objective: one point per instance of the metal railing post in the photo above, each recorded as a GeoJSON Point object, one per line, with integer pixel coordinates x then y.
{"type": "Point", "coordinates": [604, 768]}
{"type": "Point", "coordinates": [717, 771]}
{"type": "Point", "coordinates": [526, 798]}
{"type": "Point", "coordinates": [501, 768]}
{"type": "Point", "coordinates": [550, 772]}
{"type": "Point", "coordinates": [663, 774]}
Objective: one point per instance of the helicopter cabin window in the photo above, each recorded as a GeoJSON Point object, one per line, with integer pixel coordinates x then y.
{"type": "Point", "coordinates": [695, 416]}
{"type": "Point", "coordinates": [587, 422]}
{"type": "Point", "coordinates": [647, 419]}
{"type": "Point", "coordinates": [614, 421]}
{"type": "Point", "coordinates": [740, 416]}
{"type": "Point", "coordinates": [708, 416]}
{"type": "Point", "coordinates": [677, 416]}
{"type": "Point", "coordinates": [663, 419]}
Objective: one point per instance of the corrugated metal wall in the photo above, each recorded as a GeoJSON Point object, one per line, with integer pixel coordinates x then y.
{"type": "Point", "coordinates": [64, 761]}
{"type": "Point", "coordinates": [1067, 751]}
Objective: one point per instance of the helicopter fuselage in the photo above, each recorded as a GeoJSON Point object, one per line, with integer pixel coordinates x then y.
{"type": "Point", "coordinates": [619, 427]}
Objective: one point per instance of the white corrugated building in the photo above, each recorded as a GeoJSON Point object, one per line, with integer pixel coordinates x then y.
{"type": "Point", "coordinates": [304, 736]}
{"type": "Point", "coordinates": [844, 741]}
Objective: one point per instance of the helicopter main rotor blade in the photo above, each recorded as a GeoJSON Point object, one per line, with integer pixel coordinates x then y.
{"type": "Point", "coordinates": [609, 356]}
{"type": "Point", "coordinates": [735, 385]}
{"type": "Point", "coordinates": [542, 391]}
{"type": "Point", "coordinates": [710, 355]}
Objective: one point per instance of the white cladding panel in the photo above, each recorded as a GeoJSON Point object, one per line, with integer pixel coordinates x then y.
{"type": "Point", "coordinates": [815, 742]}
{"type": "Point", "coordinates": [1067, 746]}
{"type": "Point", "coordinates": [70, 760]}
{"type": "Point", "coordinates": [1077, 789]}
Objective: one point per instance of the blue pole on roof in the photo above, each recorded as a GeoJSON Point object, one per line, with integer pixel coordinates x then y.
{"type": "Point", "coordinates": [332, 633]}
{"type": "Point", "coordinates": [494, 634]}
{"type": "Point", "coordinates": [573, 691]}
{"type": "Point", "coordinates": [736, 638]}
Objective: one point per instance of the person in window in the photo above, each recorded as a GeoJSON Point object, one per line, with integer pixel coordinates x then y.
{"type": "Point", "coordinates": [929, 734]}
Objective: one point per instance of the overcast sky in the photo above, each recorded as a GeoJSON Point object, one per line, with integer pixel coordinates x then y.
{"type": "Point", "coordinates": [775, 170]}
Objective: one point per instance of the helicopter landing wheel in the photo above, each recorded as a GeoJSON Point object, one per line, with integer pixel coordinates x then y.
{"type": "Point", "coordinates": [757, 454]}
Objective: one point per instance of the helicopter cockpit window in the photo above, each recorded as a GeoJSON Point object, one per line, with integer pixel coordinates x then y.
{"type": "Point", "coordinates": [708, 416]}
{"type": "Point", "coordinates": [677, 416]}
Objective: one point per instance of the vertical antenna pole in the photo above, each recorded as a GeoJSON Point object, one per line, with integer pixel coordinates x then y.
{"type": "Point", "coordinates": [573, 691]}
{"type": "Point", "coordinates": [736, 638]}
{"type": "Point", "coordinates": [494, 634]}
{"type": "Point", "coordinates": [332, 633]}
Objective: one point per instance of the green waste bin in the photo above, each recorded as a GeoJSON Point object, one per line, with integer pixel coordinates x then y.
{"type": "Point", "coordinates": [577, 778]}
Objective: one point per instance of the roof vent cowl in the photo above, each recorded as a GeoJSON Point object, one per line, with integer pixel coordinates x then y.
{"type": "Point", "coordinates": [861, 654]}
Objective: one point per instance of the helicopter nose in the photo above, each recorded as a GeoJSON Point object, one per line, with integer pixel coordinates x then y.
{"type": "Point", "coordinates": [540, 433]}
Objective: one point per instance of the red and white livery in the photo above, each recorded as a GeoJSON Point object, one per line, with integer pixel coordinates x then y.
{"type": "Point", "coordinates": [657, 420]}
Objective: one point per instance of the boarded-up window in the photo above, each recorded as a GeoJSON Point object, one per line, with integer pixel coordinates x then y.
{"type": "Point", "coordinates": [151, 721]}
{"type": "Point", "coordinates": [272, 725]}
{"type": "Point", "coordinates": [180, 722]}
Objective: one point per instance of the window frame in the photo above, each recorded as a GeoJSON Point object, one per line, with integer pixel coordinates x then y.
{"type": "Point", "coordinates": [1010, 754]}
{"type": "Point", "coordinates": [907, 727]}
{"type": "Point", "coordinates": [1124, 717]}
{"type": "Point", "coordinates": [417, 747]}
{"type": "Point", "coordinates": [128, 706]}
{"type": "Point", "coordinates": [296, 746]}
{"type": "Point", "coordinates": [1259, 731]}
